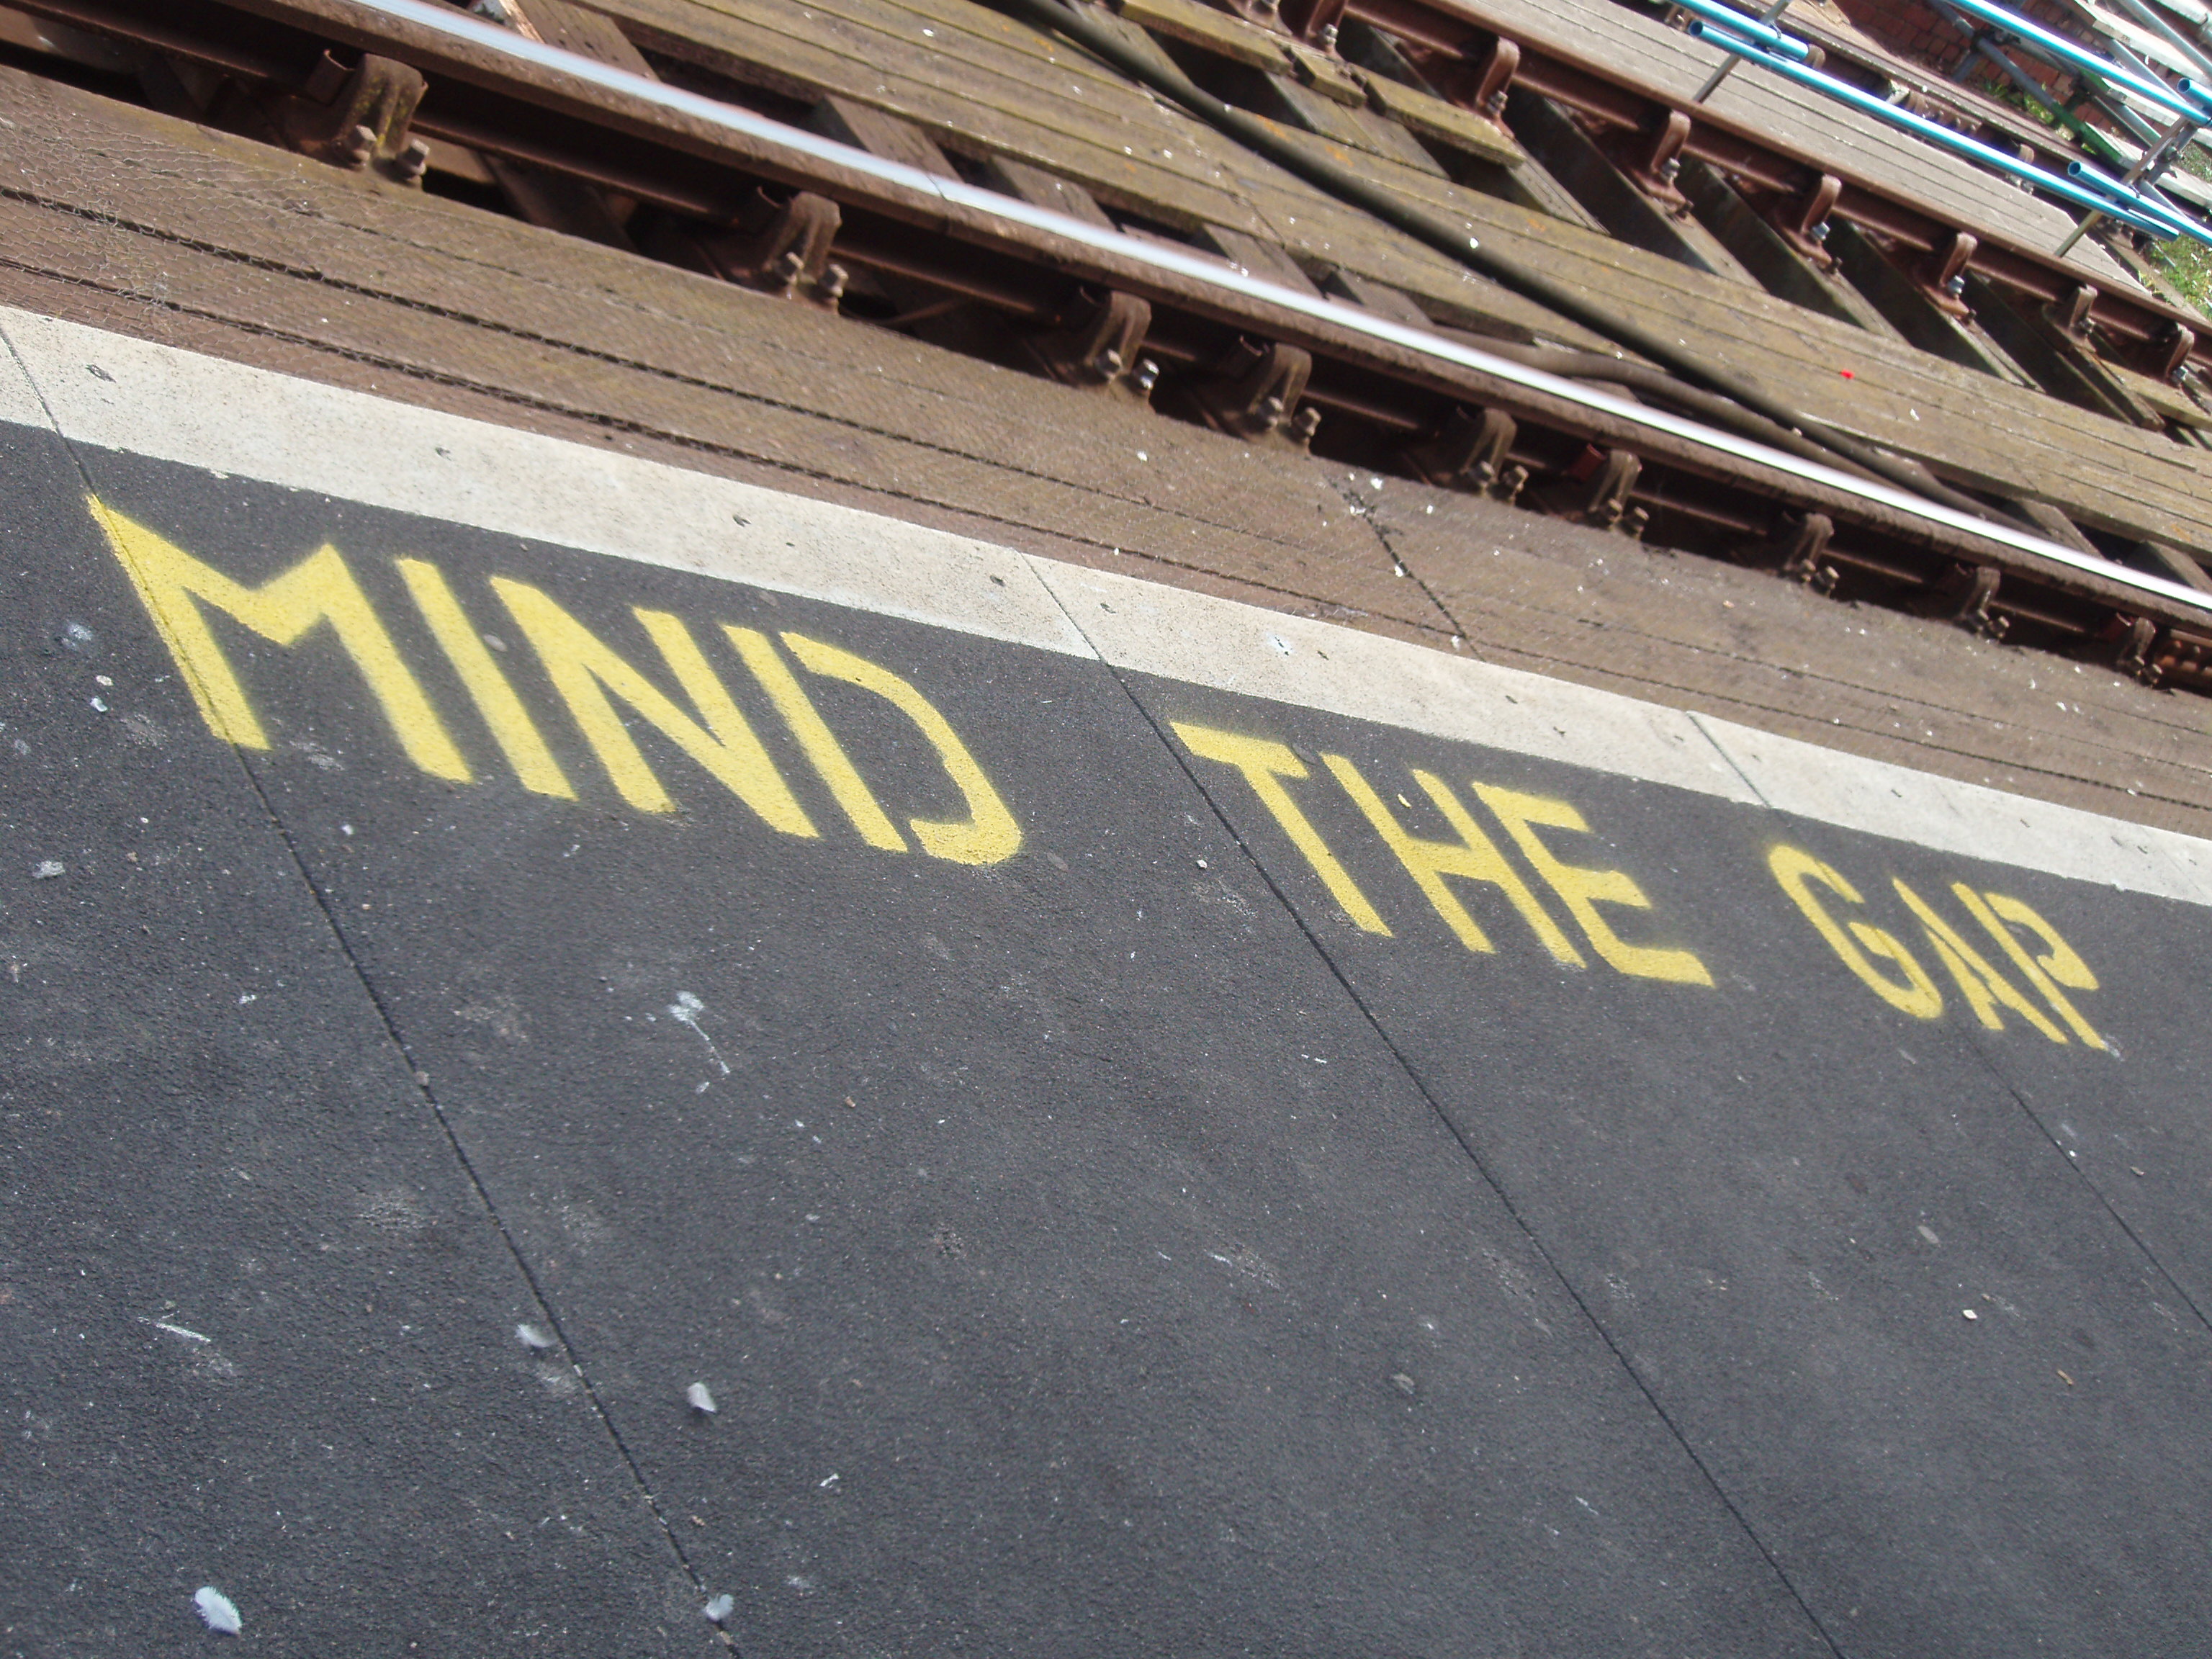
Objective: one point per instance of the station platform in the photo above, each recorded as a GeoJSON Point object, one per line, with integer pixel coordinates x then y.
{"type": "Point", "coordinates": [583, 1038]}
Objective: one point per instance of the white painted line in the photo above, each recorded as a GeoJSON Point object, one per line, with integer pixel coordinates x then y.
{"type": "Point", "coordinates": [1173, 634]}
{"type": "Point", "coordinates": [225, 418]}
{"type": "Point", "coordinates": [1852, 792]}
{"type": "Point", "coordinates": [201, 411]}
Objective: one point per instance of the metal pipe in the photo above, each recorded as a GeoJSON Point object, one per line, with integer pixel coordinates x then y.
{"type": "Point", "coordinates": [2136, 201]}
{"type": "Point", "coordinates": [2171, 35]}
{"type": "Point", "coordinates": [1190, 266]}
{"type": "Point", "coordinates": [1774, 9]}
{"type": "Point", "coordinates": [2096, 142]}
{"type": "Point", "coordinates": [1748, 28]}
{"type": "Point", "coordinates": [1941, 137]}
{"type": "Point", "coordinates": [2031, 89]}
{"type": "Point", "coordinates": [2142, 83]}
{"type": "Point", "coordinates": [2114, 97]}
{"type": "Point", "coordinates": [2124, 113]}
{"type": "Point", "coordinates": [2115, 100]}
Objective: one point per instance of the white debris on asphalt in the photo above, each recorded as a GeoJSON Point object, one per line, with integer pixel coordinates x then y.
{"type": "Point", "coordinates": [700, 1400]}
{"type": "Point", "coordinates": [48, 869]}
{"type": "Point", "coordinates": [217, 1611]}
{"type": "Point", "coordinates": [685, 1011]}
{"type": "Point", "coordinates": [717, 1610]}
{"type": "Point", "coordinates": [531, 1338]}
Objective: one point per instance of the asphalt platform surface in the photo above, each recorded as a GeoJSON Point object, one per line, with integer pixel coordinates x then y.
{"type": "Point", "coordinates": [1094, 1232]}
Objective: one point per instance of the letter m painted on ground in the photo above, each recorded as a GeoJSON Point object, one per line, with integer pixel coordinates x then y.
{"type": "Point", "coordinates": [174, 585]}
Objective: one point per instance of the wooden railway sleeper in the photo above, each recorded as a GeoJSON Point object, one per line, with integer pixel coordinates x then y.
{"type": "Point", "coordinates": [2059, 358]}
{"type": "Point", "coordinates": [355, 117]}
{"type": "Point", "coordinates": [1791, 259]}
{"type": "Point", "coordinates": [1478, 77]}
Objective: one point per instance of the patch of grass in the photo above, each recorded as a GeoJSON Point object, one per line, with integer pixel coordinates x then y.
{"type": "Point", "coordinates": [2187, 265]}
{"type": "Point", "coordinates": [2187, 268]}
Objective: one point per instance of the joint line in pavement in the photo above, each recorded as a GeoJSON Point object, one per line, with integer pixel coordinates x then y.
{"type": "Point", "coordinates": [1412, 1074]}
{"type": "Point", "coordinates": [421, 1081]}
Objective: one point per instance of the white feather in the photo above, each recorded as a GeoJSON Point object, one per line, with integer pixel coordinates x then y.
{"type": "Point", "coordinates": [719, 1609]}
{"type": "Point", "coordinates": [531, 1337]}
{"type": "Point", "coordinates": [217, 1611]}
{"type": "Point", "coordinates": [700, 1399]}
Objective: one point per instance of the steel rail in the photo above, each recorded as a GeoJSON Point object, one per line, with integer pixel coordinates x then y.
{"type": "Point", "coordinates": [527, 79]}
{"type": "Point", "coordinates": [1449, 236]}
{"type": "Point", "coordinates": [1191, 267]}
{"type": "Point", "coordinates": [1450, 41]}
{"type": "Point", "coordinates": [2126, 318]}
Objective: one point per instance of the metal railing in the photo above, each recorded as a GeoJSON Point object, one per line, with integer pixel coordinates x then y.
{"type": "Point", "coordinates": [2084, 185]}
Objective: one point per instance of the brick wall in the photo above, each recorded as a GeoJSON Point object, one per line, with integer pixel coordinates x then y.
{"type": "Point", "coordinates": [1908, 28]}
{"type": "Point", "coordinates": [1912, 29]}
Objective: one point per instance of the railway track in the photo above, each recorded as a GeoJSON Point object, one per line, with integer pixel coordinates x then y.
{"type": "Point", "coordinates": [1469, 49]}
{"type": "Point", "coordinates": [764, 202]}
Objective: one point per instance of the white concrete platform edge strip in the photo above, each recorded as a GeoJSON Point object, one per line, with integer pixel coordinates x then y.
{"type": "Point", "coordinates": [1853, 792]}
{"type": "Point", "coordinates": [1173, 634]}
{"type": "Point", "coordinates": [19, 399]}
{"type": "Point", "coordinates": [118, 393]}
{"type": "Point", "coordinates": [114, 391]}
